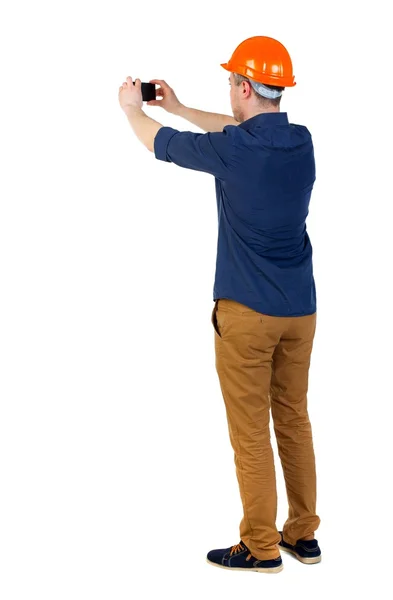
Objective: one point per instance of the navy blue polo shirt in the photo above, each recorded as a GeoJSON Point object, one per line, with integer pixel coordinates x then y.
{"type": "Point", "coordinates": [264, 171]}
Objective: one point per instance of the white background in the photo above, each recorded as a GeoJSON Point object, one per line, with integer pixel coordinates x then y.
{"type": "Point", "coordinates": [117, 474]}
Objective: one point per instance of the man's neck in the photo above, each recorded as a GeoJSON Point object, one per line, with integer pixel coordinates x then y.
{"type": "Point", "coordinates": [254, 113]}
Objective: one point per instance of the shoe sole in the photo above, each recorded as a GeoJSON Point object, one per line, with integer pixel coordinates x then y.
{"type": "Point", "coordinates": [260, 570]}
{"type": "Point", "coordinates": [305, 561]}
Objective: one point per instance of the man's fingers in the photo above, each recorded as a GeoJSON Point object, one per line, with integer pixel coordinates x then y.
{"type": "Point", "coordinates": [160, 82]}
{"type": "Point", "coordinates": [137, 82]}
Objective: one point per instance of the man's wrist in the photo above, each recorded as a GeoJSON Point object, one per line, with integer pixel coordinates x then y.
{"type": "Point", "coordinates": [133, 110]}
{"type": "Point", "coordinates": [179, 110]}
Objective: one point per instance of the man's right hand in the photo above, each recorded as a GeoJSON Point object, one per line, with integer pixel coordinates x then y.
{"type": "Point", "coordinates": [170, 101]}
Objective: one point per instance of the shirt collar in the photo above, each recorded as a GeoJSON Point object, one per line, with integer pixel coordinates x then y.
{"type": "Point", "coordinates": [265, 120]}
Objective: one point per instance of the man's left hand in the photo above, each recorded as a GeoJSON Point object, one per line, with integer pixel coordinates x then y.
{"type": "Point", "coordinates": [130, 95]}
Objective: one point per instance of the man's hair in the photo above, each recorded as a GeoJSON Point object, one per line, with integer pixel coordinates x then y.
{"type": "Point", "coordinates": [263, 101]}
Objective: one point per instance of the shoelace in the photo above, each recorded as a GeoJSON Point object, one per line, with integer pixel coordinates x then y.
{"type": "Point", "coordinates": [236, 548]}
{"type": "Point", "coordinates": [239, 548]}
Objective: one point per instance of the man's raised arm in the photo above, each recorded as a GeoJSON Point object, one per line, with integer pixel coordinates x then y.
{"type": "Point", "coordinates": [204, 120]}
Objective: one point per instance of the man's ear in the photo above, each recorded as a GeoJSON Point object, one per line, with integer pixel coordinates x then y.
{"type": "Point", "coordinates": [246, 88]}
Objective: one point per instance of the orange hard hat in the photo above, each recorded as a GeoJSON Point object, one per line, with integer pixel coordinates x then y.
{"type": "Point", "coordinates": [262, 59]}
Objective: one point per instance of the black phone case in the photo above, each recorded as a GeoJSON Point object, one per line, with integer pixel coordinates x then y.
{"type": "Point", "coordinates": [148, 91]}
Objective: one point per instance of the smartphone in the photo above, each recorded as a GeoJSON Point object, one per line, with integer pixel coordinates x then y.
{"type": "Point", "coordinates": [148, 91]}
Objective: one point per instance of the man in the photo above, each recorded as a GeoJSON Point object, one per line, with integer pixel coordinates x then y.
{"type": "Point", "coordinates": [264, 316]}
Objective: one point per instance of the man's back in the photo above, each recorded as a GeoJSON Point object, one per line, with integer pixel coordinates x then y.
{"type": "Point", "coordinates": [264, 257]}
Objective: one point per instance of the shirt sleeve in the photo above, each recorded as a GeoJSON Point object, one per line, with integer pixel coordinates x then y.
{"type": "Point", "coordinates": [210, 152]}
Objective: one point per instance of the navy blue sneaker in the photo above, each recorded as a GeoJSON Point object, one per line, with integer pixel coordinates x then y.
{"type": "Point", "coordinates": [307, 551]}
{"type": "Point", "coordinates": [239, 558]}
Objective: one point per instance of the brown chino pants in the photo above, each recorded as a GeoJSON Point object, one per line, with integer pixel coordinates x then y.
{"type": "Point", "coordinates": [262, 362]}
